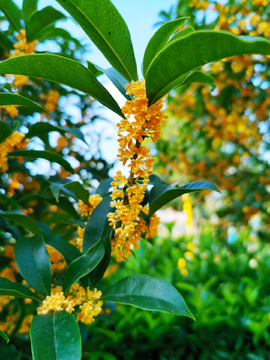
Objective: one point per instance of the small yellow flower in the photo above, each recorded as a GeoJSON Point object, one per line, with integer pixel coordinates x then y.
{"type": "Point", "coordinates": [181, 263]}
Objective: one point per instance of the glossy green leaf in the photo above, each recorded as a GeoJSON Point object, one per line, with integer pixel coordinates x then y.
{"type": "Point", "coordinates": [171, 194]}
{"type": "Point", "coordinates": [198, 76]}
{"type": "Point", "coordinates": [8, 287]}
{"type": "Point", "coordinates": [96, 275]}
{"type": "Point", "coordinates": [157, 190]}
{"type": "Point", "coordinates": [83, 265]}
{"type": "Point", "coordinates": [41, 128]}
{"type": "Point", "coordinates": [22, 220]}
{"type": "Point", "coordinates": [5, 42]}
{"type": "Point", "coordinates": [5, 131]}
{"type": "Point", "coordinates": [55, 336]}
{"type": "Point", "coordinates": [34, 264]}
{"type": "Point", "coordinates": [16, 99]}
{"type": "Point", "coordinates": [12, 12]}
{"type": "Point", "coordinates": [159, 40]}
{"type": "Point", "coordinates": [117, 79]}
{"type": "Point", "coordinates": [4, 336]}
{"type": "Point", "coordinates": [41, 154]}
{"type": "Point", "coordinates": [67, 250]}
{"type": "Point", "coordinates": [186, 54]}
{"type": "Point", "coordinates": [106, 28]}
{"type": "Point", "coordinates": [148, 293]}
{"type": "Point", "coordinates": [76, 187]}
{"type": "Point", "coordinates": [104, 187]}
{"type": "Point", "coordinates": [28, 8]}
{"type": "Point", "coordinates": [60, 70]}
{"type": "Point", "coordinates": [95, 70]}
{"type": "Point", "coordinates": [41, 20]}
{"type": "Point", "coordinates": [95, 226]}
{"type": "Point", "coordinates": [155, 180]}
{"type": "Point", "coordinates": [188, 30]}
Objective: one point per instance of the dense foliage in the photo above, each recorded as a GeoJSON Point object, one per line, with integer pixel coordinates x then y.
{"type": "Point", "coordinates": [223, 135]}
{"type": "Point", "coordinates": [226, 287]}
{"type": "Point", "coordinates": [61, 228]}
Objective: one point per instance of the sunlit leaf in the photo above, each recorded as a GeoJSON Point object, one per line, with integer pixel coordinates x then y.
{"type": "Point", "coordinates": [148, 293]}
{"type": "Point", "coordinates": [159, 40]}
{"type": "Point", "coordinates": [61, 70]}
{"type": "Point", "coordinates": [106, 28]}
{"type": "Point", "coordinates": [186, 54]}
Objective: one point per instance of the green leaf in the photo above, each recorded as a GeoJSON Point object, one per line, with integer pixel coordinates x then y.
{"type": "Point", "coordinates": [97, 274]}
{"type": "Point", "coordinates": [155, 180]}
{"type": "Point", "coordinates": [157, 191]}
{"type": "Point", "coordinates": [171, 194]}
{"type": "Point", "coordinates": [41, 154]}
{"type": "Point", "coordinates": [63, 203]}
{"type": "Point", "coordinates": [67, 250]}
{"type": "Point", "coordinates": [55, 336]}
{"type": "Point", "coordinates": [34, 263]}
{"type": "Point", "coordinates": [5, 131]}
{"type": "Point", "coordinates": [15, 99]}
{"type": "Point", "coordinates": [22, 220]}
{"type": "Point", "coordinates": [74, 186]}
{"type": "Point", "coordinates": [41, 20]}
{"type": "Point", "coordinates": [104, 187]}
{"type": "Point", "coordinates": [41, 128]}
{"type": "Point", "coordinates": [106, 28]}
{"type": "Point", "coordinates": [28, 8]}
{"type": "Point", "coordinates": [12, 12]}
{"type": "Point", "coordinates": [95, 226]}
{"type": "Point", "coordinates": [159, 40]}
{"type": "Point", "coordinates": [186, 54]}
{"type": "Point", "coordinates": [60, 70]}
{"type": "Point", "coordinates": [5, 42]}
{"type": "Point", "coordinates": [95, 70]}
{"type": "Point", "coordinates": [117, 79]}
{"type": "Point", "coordinates": [148, 293]}
{"type": "Point", "coordinates": [198, 76]}
{"type": "Point", "coordinates": [8, 287]}
{"type": "Point", "coordinates": [188, 30]}
{"type": "Point", "coordinates": [4, 336]}
{"type": "Point", "coordinates": [83, 265]}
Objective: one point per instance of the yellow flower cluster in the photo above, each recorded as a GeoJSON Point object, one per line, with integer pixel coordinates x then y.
{"type": "Point", "coordinates": [25, 327]}
{"type": "Point", "coordinates": [52, 100]}
{"type": "Point", "coordinates": [22, 48]}
{"type": "Point", "coordinates": [188, 256]}
{"type": "Point", "coordinates": [56, 302]}
{"type": "Point", "coordinates": [11, 110]}
{"type": "Point", "coordinates": [4, 300]}
{"type": "Point", "coordinates": [260, 2]}
{"type": "Point", "coordinates": [88, 302]}
{"type": "Point", "coordinates": [85, 210]}
{"type": "Point", "coordinates": [15, 141]}
{"type": "Point", "coordinates": [141, 122]}
{"type": "Point", "coordinates": [57, 260]}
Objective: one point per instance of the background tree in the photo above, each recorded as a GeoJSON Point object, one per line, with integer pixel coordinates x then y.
{"type": "Point", "coordinates": [223, 135]}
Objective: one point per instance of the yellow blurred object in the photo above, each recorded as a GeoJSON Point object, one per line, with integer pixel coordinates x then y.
{"type": "Point", "coordinates": [191, 246]}
{"type": "Point", "coordinates": [189, 255]}
{"type": "Point", "coordinates": [184, 272]}
{"type": "Point", "coordinates": [187, 207]}
{"type": "Point", "coordinates": [181, 263]}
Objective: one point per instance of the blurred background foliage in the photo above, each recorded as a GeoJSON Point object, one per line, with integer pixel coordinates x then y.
{"type": "Point", "coordinates": [222, 136]}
